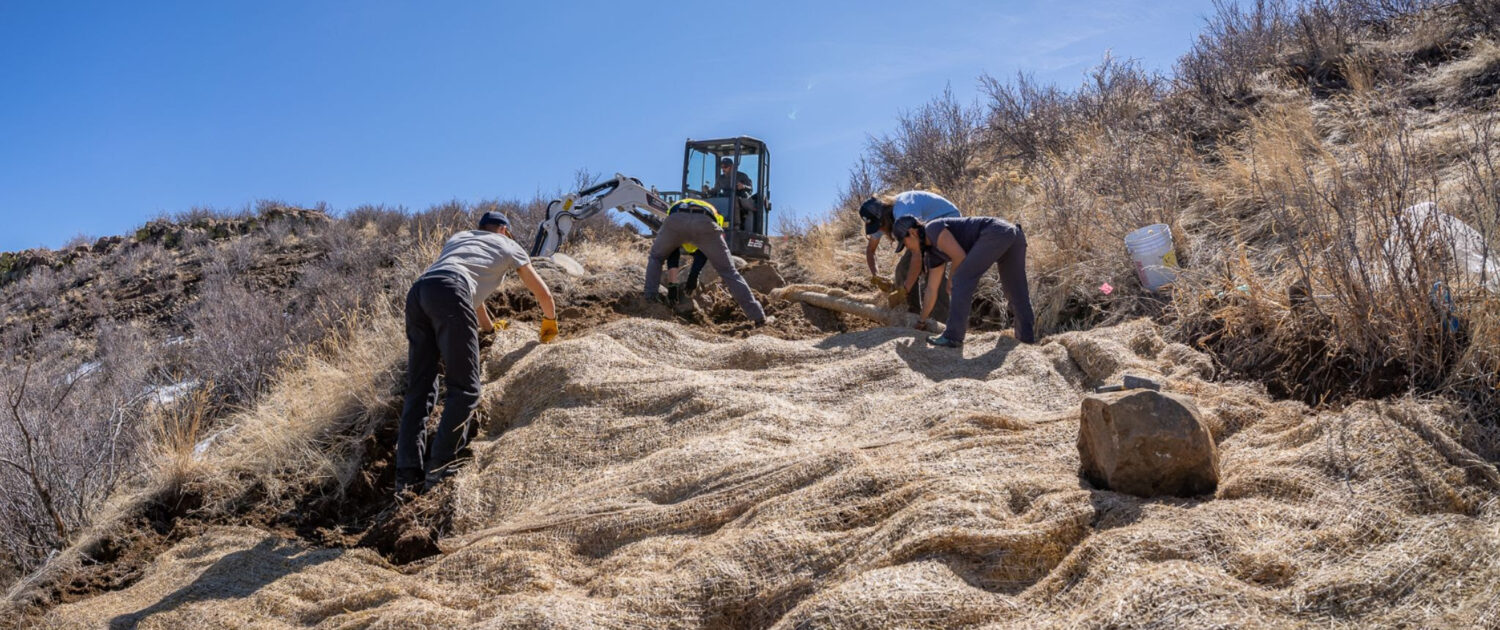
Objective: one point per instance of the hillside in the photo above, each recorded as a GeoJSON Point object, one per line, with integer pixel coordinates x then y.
{"type": "Point", "coordinates": [649, 474]}
{"type": "Point", "coordinates": [238, 378]}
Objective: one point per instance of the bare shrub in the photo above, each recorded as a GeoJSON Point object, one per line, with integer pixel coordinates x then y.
{"type": "Point", "coordinates": [932, 147]}
{"type": "Point", "coordinates": [238, 338]}
{"type": "Point", "coordinates": [70, 436]}
{"type": "Point", "coordinates": [1235, 45]}
{"type": "Point", "coordinates": [1485, 13]}
{"type": "Point", "coordinates": [443, 219]}
{"type": "Point", "coordinates": [384, 220]}
{"type": "Point", "coordinates": [78, 240]}
{"type": "Point", "coordinates": [1364, 305]}
{"type": "Point", "coordinates": [864, 182]}
{"type": "Point", "coordinates": [1119, 95]}
{"type": "Point", "coordinates": [141, 260]}
{"type": "Point", "coordinates": [235, 257]}
{"type": "Point", "coordinates": [1026, 120]}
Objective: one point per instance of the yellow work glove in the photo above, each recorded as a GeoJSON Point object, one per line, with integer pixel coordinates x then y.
{"type": "Point", "coordinates": [500, 324]}
{"type": "Point", "coordinates": [549, 330]}
{"type": "Point", "coordinates": [881, 284]}
{"type": "Point", "coordinates": [897, 298]}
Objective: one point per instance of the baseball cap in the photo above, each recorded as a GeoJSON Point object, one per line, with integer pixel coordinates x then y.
{"type": "Point", "coordinates": [493, 218]}
{"type": "Point", "coordinates": [902, 226]}
{"type": "Point", "coordinates": [869, 212]}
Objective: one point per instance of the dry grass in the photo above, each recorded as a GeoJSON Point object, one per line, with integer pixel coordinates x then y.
{"type": "Point", "coordinates": [1283, 155]}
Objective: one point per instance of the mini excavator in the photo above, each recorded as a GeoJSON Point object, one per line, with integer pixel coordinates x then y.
{"type": "Point", "coordinates": [745, 209]}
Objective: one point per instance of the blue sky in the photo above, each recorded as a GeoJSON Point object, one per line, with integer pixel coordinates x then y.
{"type": "Point", "coordinates": [112, 113]}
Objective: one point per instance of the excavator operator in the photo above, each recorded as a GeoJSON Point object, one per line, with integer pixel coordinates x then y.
{"type": "Point", "coordinates": [740, 191]}
{"type": "Point", "coordinates": [742, 184]}
{"type": "Point", "coordinates": [696, 222]}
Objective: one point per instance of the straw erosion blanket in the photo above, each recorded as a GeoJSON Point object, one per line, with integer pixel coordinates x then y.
{"type": "Point", "coordinates": [647, 475]}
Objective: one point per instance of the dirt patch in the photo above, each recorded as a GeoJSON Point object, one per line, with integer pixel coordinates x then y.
{"type": "Point", "coordinates": [121, 560]}
{"type": "Point", "coordinates": [587, 303]}
{"type": "Point", "coordinates": [408, 532]}
{"type": "Point", "coordinates": [366, 513]}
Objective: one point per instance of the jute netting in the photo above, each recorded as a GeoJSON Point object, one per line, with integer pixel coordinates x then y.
{"type": "Point", "coordinates": [648, 475]}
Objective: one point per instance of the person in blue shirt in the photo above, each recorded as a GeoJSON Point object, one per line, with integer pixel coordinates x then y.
{"type": "Point", "coordinates": [878, 214]}
{"type": "Point", "coordinates": [971, 245]}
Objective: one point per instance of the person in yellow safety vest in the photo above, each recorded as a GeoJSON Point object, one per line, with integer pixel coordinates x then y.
{"type": "Point", "coordinates": [677, 291]}
{"type": "Point", "coordinates": [697, 222]}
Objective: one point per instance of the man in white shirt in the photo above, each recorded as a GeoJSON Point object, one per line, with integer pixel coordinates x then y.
{"type": "Point", "coordinates": [445, 314]}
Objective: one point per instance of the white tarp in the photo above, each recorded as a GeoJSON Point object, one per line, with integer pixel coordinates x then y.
{"type": "Point", "coordinates": [1424, 231]}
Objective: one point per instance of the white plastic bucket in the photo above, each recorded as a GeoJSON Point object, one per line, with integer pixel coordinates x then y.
{"type": "Point", "coordinates": [1152, 251]}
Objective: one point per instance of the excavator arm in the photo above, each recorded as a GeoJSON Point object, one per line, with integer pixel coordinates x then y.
{"type": "Point", "coordinates": [624, 193]}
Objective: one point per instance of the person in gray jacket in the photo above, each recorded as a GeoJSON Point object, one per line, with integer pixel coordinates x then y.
{"type": "Point", "coordinates": [697, 222]}
{"type": "Point", "coordinates": [970, 245]}
{"type": "Point", "coordinates": [445, 314]}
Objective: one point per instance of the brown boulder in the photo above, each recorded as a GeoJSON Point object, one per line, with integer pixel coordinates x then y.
{"type": "Point", "coordinates": [763, 277]}
{"type": "Point", "coordinates": [1147, 444]}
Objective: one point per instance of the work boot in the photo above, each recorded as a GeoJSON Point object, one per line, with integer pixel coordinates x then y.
{"type": "Point", "coordinates": [436, 477]}
{"type": "Point", "coordinates": [408, 483]}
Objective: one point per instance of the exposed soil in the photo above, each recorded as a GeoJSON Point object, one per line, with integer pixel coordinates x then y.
{"type": "Point", "coordinates": [587, 303]}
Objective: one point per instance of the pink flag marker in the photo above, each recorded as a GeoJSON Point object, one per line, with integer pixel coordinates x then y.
{"type": "Point", "coordinates": [1106, 289]}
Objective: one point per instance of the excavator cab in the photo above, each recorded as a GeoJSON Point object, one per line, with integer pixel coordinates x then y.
{"type": "Point", "coordinates": [733, 174]}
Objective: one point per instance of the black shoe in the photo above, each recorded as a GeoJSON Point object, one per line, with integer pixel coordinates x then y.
{"type": "Point", "coordinates": [408, 483]}
{"type": "Point", "coordinates": [944, 342]}
{"type": "Point", "coordinates": [436, 478]}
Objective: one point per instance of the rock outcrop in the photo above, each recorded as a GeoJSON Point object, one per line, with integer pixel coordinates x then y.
{"type": "Point", "coordinates": [1146, 443]}
{"type": "Point", "coordinates": [763, 277]}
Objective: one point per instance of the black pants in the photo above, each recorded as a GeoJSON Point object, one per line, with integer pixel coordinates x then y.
{"type": "Point", "coordinates": [700, 260]}
{"type": "Point", "coordinates": [1004, 248]}
{"type": "Point", "coordinates": [440, 323]}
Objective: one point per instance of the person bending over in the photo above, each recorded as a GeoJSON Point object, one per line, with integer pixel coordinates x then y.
{"type": "Point", "coordinates": [445, 315]}
{"type": "Point", "coordinates": [970, 246]}
{"type": "Point", "coordinates": [696, 222]}
{"type": "Point", "coordinates": [878, 213]}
